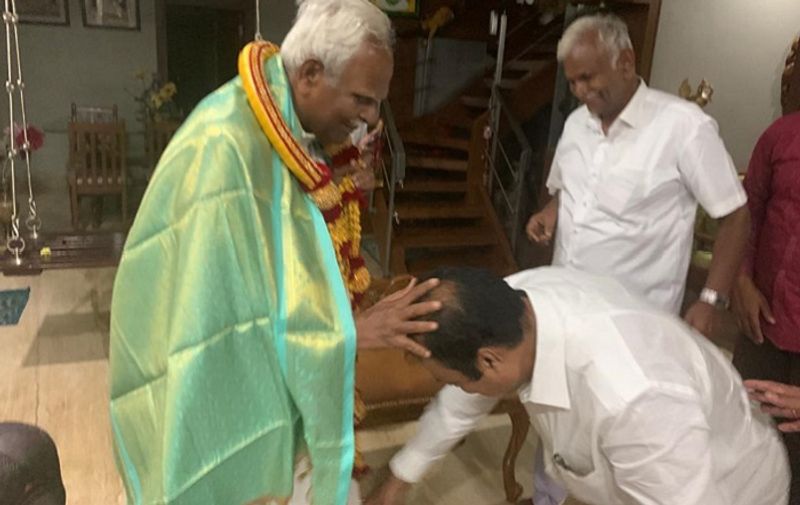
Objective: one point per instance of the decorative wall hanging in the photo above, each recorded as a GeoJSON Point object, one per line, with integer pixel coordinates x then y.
{"type": "Point", "coordinates": [122, 14]}
{"type": "Point", "coordinates": [50, 12]}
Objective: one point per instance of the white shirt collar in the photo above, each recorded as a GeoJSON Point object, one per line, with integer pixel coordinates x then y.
{"type": "Point", "coordinates": [633, 113]}
{"type": "Point", "coordinates": [548, 386]}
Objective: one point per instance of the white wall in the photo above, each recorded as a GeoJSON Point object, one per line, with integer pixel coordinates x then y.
{"type": "Point", "coordinates": [737, 45]}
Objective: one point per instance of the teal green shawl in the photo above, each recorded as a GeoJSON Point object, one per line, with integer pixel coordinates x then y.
{"type": "Point", "coordinates": [232, 337]}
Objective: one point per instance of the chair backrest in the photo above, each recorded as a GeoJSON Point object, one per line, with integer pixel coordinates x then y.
{"type": "Point", "coordinates": [159, 133]}
{"type": "Point", "coordinates": [93, 114]}
{"type": "Point", "coordinates": [98, 152]}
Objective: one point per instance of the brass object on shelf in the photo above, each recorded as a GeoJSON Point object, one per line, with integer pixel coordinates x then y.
{"type": "Point", "coordinates": [701, 96]}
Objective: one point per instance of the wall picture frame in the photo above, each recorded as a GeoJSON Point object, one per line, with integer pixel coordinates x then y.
{"type": "Point", "coordinates": [43, 12]}
{"type": "Point", "coordinates": [115, 14]}
{"type": "Point", "coordinates": [407, 8]}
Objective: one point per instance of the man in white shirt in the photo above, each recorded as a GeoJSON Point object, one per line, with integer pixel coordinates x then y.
{"type": "Point", "coordinates": [632, 406]}
{"type": "Point", "coordinates": [629, 170]}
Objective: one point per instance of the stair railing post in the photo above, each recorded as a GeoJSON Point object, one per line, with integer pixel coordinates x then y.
{"type": "Point", "coordinates": [525, 161]}
{"type": "Point", "coordinates": [422, 104]}
{"type": "Point", "coordinates": [397, 173]}
{"type": "Point", "coordinates": [494, 105]}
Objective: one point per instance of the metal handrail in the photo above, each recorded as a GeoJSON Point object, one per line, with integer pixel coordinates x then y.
{"type": "Point", "coordinates": [512, 121]}
{"type": "Point", "coordinates": [518, 170]}
{"type": "Point", "coordinates": [500, 114]}
{"type": "Point", "coordinates": [556, 27]}
{"type": "Point", "coordinates": [392, 176]}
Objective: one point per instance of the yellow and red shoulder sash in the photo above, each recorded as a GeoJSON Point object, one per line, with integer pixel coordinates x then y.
{"type": "Point", "coordinates": [339, 203]}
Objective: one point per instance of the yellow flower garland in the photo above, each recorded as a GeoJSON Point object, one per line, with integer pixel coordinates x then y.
{"type": "Point", "coordinates": [342, 215]}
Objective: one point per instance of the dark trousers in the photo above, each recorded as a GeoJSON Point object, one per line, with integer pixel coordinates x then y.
{"type": "Point", "coordinates": [30, 473]}
{"type": "Point", "coordinates": [767, 362]}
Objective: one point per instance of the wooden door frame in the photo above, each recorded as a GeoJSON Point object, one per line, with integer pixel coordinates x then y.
{"type": "Point", "coordinates": [247, 7]}
{"type": "Point", "coordinates": [651, 30]}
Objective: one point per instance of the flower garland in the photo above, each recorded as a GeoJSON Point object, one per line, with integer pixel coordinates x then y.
{"type": "Point", "coordinates": [340, 205]}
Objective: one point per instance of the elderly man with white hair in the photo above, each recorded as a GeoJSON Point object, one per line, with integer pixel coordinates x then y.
{"type": "Point", "coordinates": [629, 170]}
{"type": "Point", "coordinates": [233, 335]}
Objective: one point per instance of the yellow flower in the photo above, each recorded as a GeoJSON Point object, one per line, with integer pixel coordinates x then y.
{"type": "Point", "coordinates": [170, 88]}
{"type": "Point", "coordinates": [167, 91]}
{"type": "Point", "coordinates": [155, 101]}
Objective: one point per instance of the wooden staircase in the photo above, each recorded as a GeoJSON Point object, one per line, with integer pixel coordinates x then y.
{"type": "Point", "coordinates": [443, 214]}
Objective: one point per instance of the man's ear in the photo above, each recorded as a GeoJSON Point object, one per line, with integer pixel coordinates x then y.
{"type": "Point", "coordinates": [626, 62]}
{"type": "Point", "coordinates": [310, 73]}
{"type": "Point", "coordinates": [489, 358]}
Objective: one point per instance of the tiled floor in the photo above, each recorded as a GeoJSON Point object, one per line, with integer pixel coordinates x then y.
{"type": "Point", "coordinates": [54, 368]}
{"type": "Point", "coordinates": [471, 474]}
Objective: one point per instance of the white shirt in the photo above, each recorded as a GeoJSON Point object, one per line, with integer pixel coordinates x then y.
{"type": "Point", "coordinates": [628, 199]}
{"type": "Point", "coordinates": [631, 405]}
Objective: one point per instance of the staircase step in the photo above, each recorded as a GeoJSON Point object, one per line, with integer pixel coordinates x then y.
{"type": "Point", "coordinates": [434, 186]}
{"type": "Point", "coordinates": [441, 238]}
{"type": "Point", "coordinates": [462, 117]}
{"type": "Point", "coordinates": [505, 82]}
{"type": "Point", "coordinates": [424, 138]}
{"type": "Point", "coordinates": [544, 51]}
{"type": "Point", "coordinates": [509, 73]}
{"type": "Point", "coordinates": [421, 174]}
{"type": "Point", "coordinates": [408, 211]}
{"type": "Point", "coordinates": [437, 163]}
{"type": "Point", "coordinates": [480, 257]}
{"type": "Point", "coordinates": [476, 102]}
{"type": "Point", "coordinates": [524, 65]}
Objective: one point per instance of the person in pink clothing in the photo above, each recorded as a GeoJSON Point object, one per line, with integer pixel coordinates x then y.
{"type": "Point", "coordinates": [766, 299]}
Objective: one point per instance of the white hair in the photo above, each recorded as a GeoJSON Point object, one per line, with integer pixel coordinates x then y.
{"type": "Point", "coordinates": [611, 31]}
{"type": "Point", "coordinates": [332, 31]}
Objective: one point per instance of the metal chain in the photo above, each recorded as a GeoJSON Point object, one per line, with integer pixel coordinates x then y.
{"type": "Point", "coordinates": [33, 222]}
{"type": "Point", "coordinates": [14, 242]}
{"type": "Point", "coordinates": [258, 21]}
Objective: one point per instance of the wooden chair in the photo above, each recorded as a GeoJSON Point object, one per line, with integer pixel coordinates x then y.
{"type": "Point", "coordinates": [158, 135]}
{"type": "Point", "coordinates": [97, 163]}
{"type": "Point", "coordinates": [92, 114]}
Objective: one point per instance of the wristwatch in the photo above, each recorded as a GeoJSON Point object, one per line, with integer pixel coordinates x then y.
{"type": "Point", "coordinates": [714, 298]}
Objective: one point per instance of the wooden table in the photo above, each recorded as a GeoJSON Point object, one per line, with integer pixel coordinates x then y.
{"type": "Point", "coordinates": [68, 250]}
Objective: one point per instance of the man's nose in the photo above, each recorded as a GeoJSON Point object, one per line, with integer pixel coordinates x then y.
{"type": "Point", "coordinates": [579, 90]}
{"type": "Point", "coordinates": [370, 114]}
